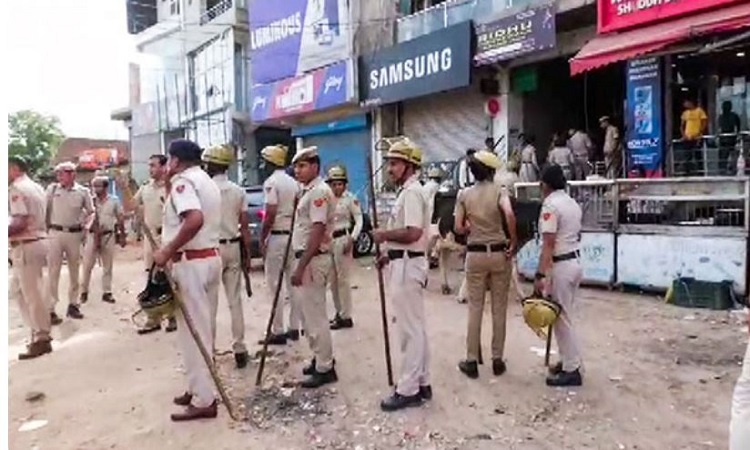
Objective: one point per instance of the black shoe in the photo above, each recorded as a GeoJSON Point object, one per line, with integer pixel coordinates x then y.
{"type": "Point", "coordinates": [171, 325]}
{"type": "Point", "coordinates": [84, 297]}
{"type": "Point", "coordinates": [397, 401]}
{"type": "Point", "coordinates": [35, 350]}
{"type": "Point", "coordinates": [555, 369]}
{"type": "Point", "coordinates": [339, 323]}
{"type": "Point", "coordinates": [498, 367]}
{"type": "Point", "coordinates": [335, 319]}
{"type": "Point", "coordinates": [274, 339]}
{"type": "Point", "coordinates": [54, 319]}
{"type": "Point", "coordinates": [74, 312]}
{"type": "Point", "coordinates": [425, 392]}
{"type": "Point", "coordinates": [292, 335]}
{"type": "Point", "coordinates": [149, 329]}
{"type": "Point", "coordinates": [565, 379]}
{"type": "Point", "coordinates": [310, 369]}
{"type": "Point", "coordinates": [241, 360]}
{"type": "Point", "coordinates": [469, 368]}
{"type": "Point", "coordinates": [445, 289]}
{"type": "Point", "coordinates": [318, 379]}
{"type": "Point", "coordinates": [107, 297]}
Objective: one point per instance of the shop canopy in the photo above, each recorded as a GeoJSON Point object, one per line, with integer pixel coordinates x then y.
{"type": "Point", "coordinates": [610, 48]}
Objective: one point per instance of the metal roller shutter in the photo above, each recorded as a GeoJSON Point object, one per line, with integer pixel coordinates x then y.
{"type": "Point", "coordinates": [446, 124]}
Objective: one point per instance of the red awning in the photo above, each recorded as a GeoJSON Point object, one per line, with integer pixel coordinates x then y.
{"type": "Point", "coordinates": [610, 48]}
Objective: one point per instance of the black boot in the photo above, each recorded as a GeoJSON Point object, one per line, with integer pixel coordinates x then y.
{"type": "Point", "coordinates": [54, 319]}
{"type": "Point", "coordinates": [469, 368]}
{"type": "Point", "coordinates": [319, 379]}
{"type": "Point", "coordinates": [240, 359]}
{"type": "Point", "coordinates": [397, 401]}
{"type": "Point", "coordinates": [107, 297]}
{"type": "Point", "coordinates": [292, 335]}
{"type": "Point", "coordinates": [555, 369]}
{"type": "Point", "coordinates": [425, 392]}
{"type": "Point", "coordinates": [565, 379]}
{"type": "Point", "coordinates": [84, 297]}
{"type": "Point", "coordinates": [74, 312]}
{"type": "Point", "coordinates": [339, 323]}
{"type": "Point", "coordinates": [498, 367]}
{"type": "Point", "coordinates": [310, 369]}
{"type": "Point", "coordinates": [171, 325]}
{"type": "Point", "coordinates": [274, 339]}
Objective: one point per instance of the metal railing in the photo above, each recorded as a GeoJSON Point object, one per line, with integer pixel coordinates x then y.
{"type": "Point", "coordinates": [711, 155]}
{"type": "Point", "coordinates": [216, 11]}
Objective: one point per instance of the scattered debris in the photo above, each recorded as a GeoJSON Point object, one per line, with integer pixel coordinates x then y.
{"type": "Point", "coordinates": [34, 396]}
{"type": "Point", "coordinates": [480, 437]}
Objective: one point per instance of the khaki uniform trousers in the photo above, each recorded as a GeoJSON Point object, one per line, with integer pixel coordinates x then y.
{"type": "Point", "coordinates": [739, 426]}
{"type": "Point", "coordinates": [69, 244]}
{"type": "Point", "coordinates": [198, 282]}
{"type": "Point", "coordinates": [487, 271]}
{"type": "Point", "coordinates": [90, 255]}
{"type": "Point", "coordinates": [272, 265]}
{"type": "Point", "coordinates": [566, 276]}
{"type": "Point", "coordinates": [26, 287]}
{"type": "Point", "coordinates": [341, 290]}
{"type": "Point", "coordinates": [406, 281]}
{"type": "Point", "coordinates": [312, 298]}
{"type": "Point", "coordinates": [581, 167]}
{"type": "Point", "coordinates": [231, 277]}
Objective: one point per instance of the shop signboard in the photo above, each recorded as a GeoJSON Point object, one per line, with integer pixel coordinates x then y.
{"type": "Point", "coordinates": [510, 37]}
{"type": "Point", "coordinates": [644, 142]}
{"type": "Point", "coordinates": [291, 37]}
{"type": "Point", "coordinates": [439, 61]}
{"type": "Point", "coordinates": [615, 15]}
{"type": "Point", "coordinates": [320, 89]}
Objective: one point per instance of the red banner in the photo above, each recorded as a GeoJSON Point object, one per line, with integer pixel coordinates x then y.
{"type": "Point", "coordinates": [99, 158]}
{"type": "Point", "coordinates": [616, 15]}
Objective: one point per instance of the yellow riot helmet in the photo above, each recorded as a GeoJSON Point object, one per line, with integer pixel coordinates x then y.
{"type": "Point", "coordinates": [275, 154]}
{"type": "Point", "coordinates": [488, 159]}
{"type": "Point", "coordinates": [540, 313]}
{"type": "Point", "coordinates": [404, 149]}
{"type": "Point", "coordinates": [337, 173]}
{"type": "Point", "coordinates": [219, 154]}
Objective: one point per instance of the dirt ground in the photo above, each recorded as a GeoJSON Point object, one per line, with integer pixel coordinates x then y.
{"type": "Point", "coordinates": [657, 377]}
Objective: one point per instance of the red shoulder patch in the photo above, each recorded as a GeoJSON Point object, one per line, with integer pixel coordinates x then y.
{"type": "Point", "coordinates": [546, 216]}
{"type": "Point", "coordinates": [180, 188]}
{"type": "Point", "coordinates": [356, 202]}
{"type": "Point", "coordinates": [15, 198]}
{"type": "Point", "coordinates": [319, 202]}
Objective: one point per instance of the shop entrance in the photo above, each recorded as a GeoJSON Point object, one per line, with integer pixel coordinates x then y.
{"type": "Point", "coordinates": [560, 102]}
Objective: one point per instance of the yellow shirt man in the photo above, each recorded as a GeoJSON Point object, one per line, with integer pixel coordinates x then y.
{"type": "Point", "coordinates": [694, 121]}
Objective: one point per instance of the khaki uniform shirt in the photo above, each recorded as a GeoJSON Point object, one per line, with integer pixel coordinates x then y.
{"type": "Point", "coordinates": [562, 156]}
{"type": "Point", "coordinates": [69, 207]}
{"type": "Point", "coordinates": [480, 206]}
{"type": "Point", "coordinates": [193, 189]}
{"type": "Point", "coordinates": [347, 208]}
{"type": "Point", "coordinates": [507, 180]}
{"type": "Point", "coordinates": [410, 210]}
{"type": "Point", "coordinates": [280, 189]}
{"type": "Point", "coordinates": [232, 205]}
{"type": "Point", "coordinates": [27, 198]}
{"type": "Point", "coordinates": [108, 211]}
{"type": "Point", "coordinates": [151, 196]}
{"type": "Point", "coordinates": [561, 215]}
{"type": "Point", "coordinates": [611, 140]}
{"type": "Point", "coordinates": [316, 205]}
{"type": "Point", "coordinates": [580, 145]}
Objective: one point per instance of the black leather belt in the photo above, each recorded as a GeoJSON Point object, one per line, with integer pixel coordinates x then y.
{"type": "Point", "coordinates": [229, 241]}
{"type": "Point", "coordinates": [566, 256]}
{"type": "Point", "coordinates": [339, 233]}
{"type": "Point", "coordinates": [487, 248]}
{"type": "Point", "coordinates": [74, 229]}
{"type": "Point", "coordinates": [398, 254]}
{"type": "Point", "coordinates": [298, 254]}
{"type": "Point", "coordinates": [278, 232]}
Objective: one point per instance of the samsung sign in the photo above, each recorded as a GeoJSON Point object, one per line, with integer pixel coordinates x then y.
{"type": "Point", "coordinates": [439, 61]}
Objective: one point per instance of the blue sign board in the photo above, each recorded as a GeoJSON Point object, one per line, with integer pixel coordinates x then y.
{"type": "Point", "coordinates": [317, 90]}
{"type": "Point", "coordinates": [290, 37]}
{"type": "Point", "coordinates": [510, 37]}
{"type": "Point", "coordinates": [350, 123]}
{"type": "Point", "coordinates": [644, 117]}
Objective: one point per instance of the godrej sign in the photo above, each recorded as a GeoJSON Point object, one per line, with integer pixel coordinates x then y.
{"type": "Point", "coordinates": [616, 15]}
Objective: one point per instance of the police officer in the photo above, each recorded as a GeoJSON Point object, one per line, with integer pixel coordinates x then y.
{"type": "Point", "coordinates": [26, 232]}
{"type": "Point", "coordinates": [190, 238]}
{"type": "Point", "coordinates": [69, 207]}
{"type": "Point", "coordinates": [279, 191]}
{"type": "Point", "coordinates": [107, 228]}
{"type": "Point", "coordinates": [347, 211]}
{"type": "Point", "coordinates": [485, 213]}
{"type": "Point", "coordinates": [559, 272]}
{"type": "Point", "coordinates": [235, 232]}
{"type": "Point", "coordinates": [150, 201]}
{"type": "Point", "coordinates": [311, 242]}
{"type": "Point", "coordinates": [405, 239]}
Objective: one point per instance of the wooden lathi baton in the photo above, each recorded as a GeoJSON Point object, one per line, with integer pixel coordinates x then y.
{"type": "Point", "coordinates": [207, 358]}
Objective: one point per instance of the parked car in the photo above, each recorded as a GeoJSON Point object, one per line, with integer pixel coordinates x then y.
{"type": "Point", "coordinates": [256, 212]}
